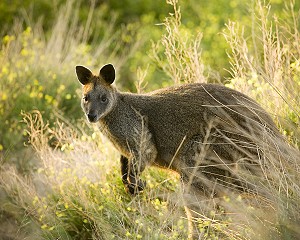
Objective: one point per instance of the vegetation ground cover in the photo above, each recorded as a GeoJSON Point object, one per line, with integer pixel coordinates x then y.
{"type": "Point", "coordinates": [59, 178]}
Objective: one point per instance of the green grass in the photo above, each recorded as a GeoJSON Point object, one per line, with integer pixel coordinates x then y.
{"type": "Point", "coordinates": [65, 183]}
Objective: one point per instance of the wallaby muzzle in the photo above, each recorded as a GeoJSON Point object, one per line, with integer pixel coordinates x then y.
{"type": "Point", "coordinates": [92, 117]}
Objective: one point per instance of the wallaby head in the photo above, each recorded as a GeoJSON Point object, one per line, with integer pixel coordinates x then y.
{"type": "Point", "coordinates": [99, 96]}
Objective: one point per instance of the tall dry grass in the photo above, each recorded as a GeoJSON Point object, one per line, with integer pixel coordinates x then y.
{"type": "Point", "coordinates": [265, 67]}
{"type": "Point", "coordinates": [181, 59]}
{"type": "Point", "coordinates": [76, 192]}
{"type": "Point", "coordinates": [74, 189]}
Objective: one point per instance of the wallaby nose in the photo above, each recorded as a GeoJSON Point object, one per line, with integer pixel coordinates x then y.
{"type": "Point", "coordinates": [92, 117]}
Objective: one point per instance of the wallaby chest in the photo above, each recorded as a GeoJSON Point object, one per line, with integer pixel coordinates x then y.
{"type": "Point", "coordinates": [125, 127]}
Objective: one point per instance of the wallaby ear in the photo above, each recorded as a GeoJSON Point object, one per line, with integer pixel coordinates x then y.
{"type": "Point", "coordinates": [107, 72]}
{"type": "Point", "coordinates": [83, 74]}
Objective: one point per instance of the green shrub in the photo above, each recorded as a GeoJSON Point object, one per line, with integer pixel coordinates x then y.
{"type": "Point", "coordinates": [73, 188]}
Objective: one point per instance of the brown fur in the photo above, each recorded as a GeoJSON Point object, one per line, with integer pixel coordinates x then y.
{"type": "Point", "coordinates": [202, 131]}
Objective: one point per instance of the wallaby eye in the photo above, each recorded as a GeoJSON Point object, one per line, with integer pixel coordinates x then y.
{"type": "Point", "coordinates": [103, 98]}
{"type": "Point", "coordinates": [85, 98]}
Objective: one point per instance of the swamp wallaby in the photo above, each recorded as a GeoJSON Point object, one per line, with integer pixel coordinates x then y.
{"type": "Point", "coordinates": [202, 131]}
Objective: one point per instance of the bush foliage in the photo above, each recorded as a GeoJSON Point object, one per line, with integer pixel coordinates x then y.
{"type": "Point", "coordinates": [65, 183]}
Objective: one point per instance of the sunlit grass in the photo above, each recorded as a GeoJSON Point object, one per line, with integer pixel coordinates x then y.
{"type": "Point", "coordinates": [72, 187]}
{"type": "Point", "coordinates": [267, 67]}
{"type": "Point", "coordinates": [76, 191]}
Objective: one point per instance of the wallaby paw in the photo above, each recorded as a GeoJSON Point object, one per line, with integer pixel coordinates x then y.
{"type": "Point", "coordinates": [135, 188]}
